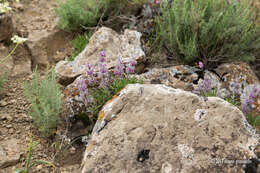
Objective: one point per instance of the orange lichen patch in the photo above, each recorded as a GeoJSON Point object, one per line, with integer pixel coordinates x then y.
{"type": "Point", "coordinates": [101, 115]}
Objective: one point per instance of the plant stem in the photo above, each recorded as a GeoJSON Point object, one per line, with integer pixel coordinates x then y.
{"type": "Point", "coordinates": [9, 53]}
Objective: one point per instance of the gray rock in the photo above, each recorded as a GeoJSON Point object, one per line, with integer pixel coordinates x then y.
{"type": "Point", "coordinates": [127, 46]}
{"type": "Point", "coordinates": [155, 128]}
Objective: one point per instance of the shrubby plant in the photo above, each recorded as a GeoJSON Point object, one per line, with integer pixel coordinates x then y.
{"type": "Point", "coordinates": [73, 14]}
{"type": "Point", "coordinates": [45, 98]}
{"type": "Point", "coordinates": [209, 30]}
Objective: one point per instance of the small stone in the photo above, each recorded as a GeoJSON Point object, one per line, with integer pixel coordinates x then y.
{"type": "Point", "coordinates": [9, 126]}
{"type": "Point", "coordinates": [39, 167]}
{"type": "Point", "coordinates": [3, 103]}
{"type": "Point", "coordinates": [5, 117]}
{"type": "Point", "coordinates": [11, 131]}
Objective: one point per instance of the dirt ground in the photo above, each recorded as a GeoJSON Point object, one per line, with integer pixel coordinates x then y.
{"type": "Point", "coordinates": [34, 19]}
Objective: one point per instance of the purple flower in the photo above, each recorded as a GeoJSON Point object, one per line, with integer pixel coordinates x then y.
{"type": "Point", "coordinates": [130, 67]}
{"type": "Point", "coordinates": [82, 87]}
{"type": "Point", "coordinates": [90, 74]}
{"type": "Point", "coordinates": [90, 70]}
{"type": "Point", "coordinates": [235, 87]}
{"type": "Point", "coordinates": [201, 65]}
{"type": "Point", "coordinates": [102, 54]}
{"type": "Point", "coordinates": [248, 96]}
{"type": "Point", "coordinates": [103, 72]}
{"type": "Point", "coordinates": [119, 68]}
{"type": "Point", "coordinates": [83, 91]}
{"type": "Point", "coordinates": [205, 86]}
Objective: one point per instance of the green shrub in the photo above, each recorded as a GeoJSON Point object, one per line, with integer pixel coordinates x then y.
{"type": "Point", "coordinates": [209, 30]}
{"type": "Point", "coordinates": [79, 43]}
{"type": "Point", "coordinates": [45, 99]}
{"type": "Point", "coordinates": [73, 14]}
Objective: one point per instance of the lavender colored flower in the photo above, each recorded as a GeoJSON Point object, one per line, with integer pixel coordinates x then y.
{"type": "Point", "coordinates": [130, 67]}
{"type": "Point", "coordinates": [83, 90]}
{"type": "Point", "coordinates": [82, 87]}
{"type": "Point", "coordinates": [205, 86]}
{"type": "Point", "coordinates": [103, 72]}
{"type": "Point", "coordinates": [201, 65]}
{"type": "Point", "coordinates": [90, 74]}
{"type": "Point", "coordinates": [102, 54]}
{"type": "Point", "coordinates": [235, 86]}
{"type": "Point", "coordinates": [248, 96]}
{"type": "Point", "coordinates": [119, 68]}
{"type": "Point", "coordinates": [90, 70]}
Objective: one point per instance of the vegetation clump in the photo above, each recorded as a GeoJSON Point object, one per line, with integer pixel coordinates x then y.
{"type": "Point", "coordinates": [73, 14]}
{"type": "Point", "coordinates": [46, 100]}
{"type": "Point", "coordinates": [78, 14]}
{"type": "Point", "coordinates": [79, 43]}
{"type": "Point", "coordinates": [209, 30]}
{"type": "Point", "coordinates": [95, 89]}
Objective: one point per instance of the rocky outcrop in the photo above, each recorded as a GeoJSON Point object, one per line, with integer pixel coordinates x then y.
{"type": "Point", "coordinates": [6, 27]}
{"type": "Point", "coordinates": [242, 71]}
{"type": "Point", "coordinates": [45, 47]}
{"type": "Point", "coordinates": [155, 128]}
{"type": "Point", "coordinates": [127, 46]}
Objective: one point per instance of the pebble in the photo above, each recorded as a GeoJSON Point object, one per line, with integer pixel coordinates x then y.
{"type": "Point", "coordinates": [9, 126]}
{"type": "Point", "coordinates": [3, 103]}
{"type": "Point", "coordinates": [11, 131]}
{"type": "Point", "coordinates": [39, 167]}
{"type": "Point", "coordinates": [6, 117]}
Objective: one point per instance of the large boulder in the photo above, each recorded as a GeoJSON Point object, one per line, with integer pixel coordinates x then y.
{"type": "Point", "coordinates": [127, 46]}
{"type": "Point", "coordinates": [155, 128]}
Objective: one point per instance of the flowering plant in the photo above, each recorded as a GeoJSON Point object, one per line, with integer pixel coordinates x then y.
{"type": "Point", "coordinates": [96, 88]}
{"type": "Point", "coordinates": [17, 40]}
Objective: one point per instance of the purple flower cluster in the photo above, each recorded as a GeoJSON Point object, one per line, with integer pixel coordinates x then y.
{"type": "Point", "coordinates": [130, 68]}
{"type": "Point", "coordinates": [90, 74]}
{"type": "Point", "coordinates": [83, 91]}
{"type": "Point", "coordinates": [119, 68]}
{"type": "Point", "coordinates": [205, 86]}
{"type": "Point", "coordinates": [103, 75]}
{"type": "Point", "coordinates": [103, 72]}
{"type": "Point", "coordinates": [235, 86]}
{"type": "Point", "coordinates": [248, 96]}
